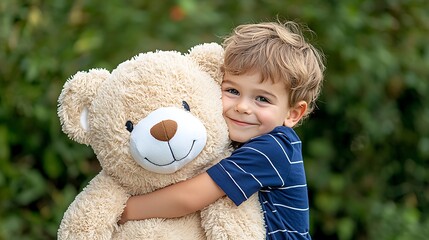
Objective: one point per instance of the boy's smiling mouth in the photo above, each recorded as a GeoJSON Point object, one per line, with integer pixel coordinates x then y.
{"type": "Point", "coordinates": [241, 123]}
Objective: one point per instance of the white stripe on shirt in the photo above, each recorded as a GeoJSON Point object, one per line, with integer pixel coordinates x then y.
{"type": "Point", "coordinates": [244, 194]}
{"type": "Point", "coordinates": [293, 208]}
{"type": "Point", "coordinates": [284, 152]}
{"type": "Point", "coordinates": [294, 186]}
{"type": "Point", "coordinates": [260, 184]}
{"type": "Point", "coordinates": [289, 231]}
{"type": "Point", "coordinates": [272, 165]}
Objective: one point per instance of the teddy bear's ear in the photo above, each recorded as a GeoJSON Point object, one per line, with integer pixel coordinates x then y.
{"type": "Point", "coordinates": [209, 56]}
{"type": "Point", "coordinates": [74, 101]}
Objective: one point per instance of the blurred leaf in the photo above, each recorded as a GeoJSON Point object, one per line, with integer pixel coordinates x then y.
{"type": "Point", "coordinates": [30, 187]}
{"type": "Point", "coordinates": [51, 165]}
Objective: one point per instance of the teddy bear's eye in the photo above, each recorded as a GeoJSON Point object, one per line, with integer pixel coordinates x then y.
{"type": "Point", "coordinates": [129, 125]}
{"type": "Point", "coordinates": [186, 106]}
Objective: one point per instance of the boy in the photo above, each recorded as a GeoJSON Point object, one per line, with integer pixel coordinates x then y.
{"type": "Point", "coordinates": [272, 78]}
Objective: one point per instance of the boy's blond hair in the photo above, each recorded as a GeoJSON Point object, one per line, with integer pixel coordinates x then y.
{"type": "Point", "coordinates": [281, 53]}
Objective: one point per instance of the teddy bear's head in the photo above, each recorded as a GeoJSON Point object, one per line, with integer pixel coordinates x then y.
{"type": "Point", "coordinates": [154, 120]}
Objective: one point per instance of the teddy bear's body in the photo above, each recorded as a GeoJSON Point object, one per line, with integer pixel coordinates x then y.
{"type": "Point", "coordinates": [120, 115]}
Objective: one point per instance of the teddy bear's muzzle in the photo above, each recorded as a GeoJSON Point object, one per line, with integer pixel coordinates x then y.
{"type": "Point", "coordinates": [167, 139]}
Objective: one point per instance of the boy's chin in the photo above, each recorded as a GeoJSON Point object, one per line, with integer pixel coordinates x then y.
{"type": "Point", "coordinates": [238, 139]}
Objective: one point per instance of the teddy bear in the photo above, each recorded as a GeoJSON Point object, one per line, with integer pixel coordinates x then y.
{"type": "Point", "coordinates": [153, 121]}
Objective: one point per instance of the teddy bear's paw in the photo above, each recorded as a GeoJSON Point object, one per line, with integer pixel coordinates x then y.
{"type": "Point", "coordinates": [84, 234]}
{"type": "Point", "coordinates": [185, 228]}
{"type": "Point", "coordinates": [224, 220]}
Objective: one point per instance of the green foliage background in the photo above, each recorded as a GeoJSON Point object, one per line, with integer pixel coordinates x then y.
{"type": "Point", "coordinates": [366, 147]}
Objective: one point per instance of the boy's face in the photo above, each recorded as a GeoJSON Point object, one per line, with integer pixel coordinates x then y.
{"type": "Point", "coordinates": [252, 108]}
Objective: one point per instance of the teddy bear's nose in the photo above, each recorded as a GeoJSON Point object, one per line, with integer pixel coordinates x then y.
{"type": "Point", "coordinates": [164, 130]}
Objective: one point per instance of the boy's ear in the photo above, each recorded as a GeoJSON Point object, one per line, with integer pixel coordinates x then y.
{"type": "Point", "coordinates": [296, 113]}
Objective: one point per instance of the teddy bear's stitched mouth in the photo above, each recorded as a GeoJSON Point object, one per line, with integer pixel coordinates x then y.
{"type": "Point", "coordinates": [174, 158]}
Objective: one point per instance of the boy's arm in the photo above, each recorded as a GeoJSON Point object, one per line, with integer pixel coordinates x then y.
{"type": "Point", "coordinates": [173, 201]}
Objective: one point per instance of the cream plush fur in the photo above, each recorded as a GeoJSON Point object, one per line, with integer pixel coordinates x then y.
{"type": "Point", "coordinates": [94, 109]}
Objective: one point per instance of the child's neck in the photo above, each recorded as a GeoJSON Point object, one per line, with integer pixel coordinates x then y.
{"type": "Point", "coordinates": [236, 145]}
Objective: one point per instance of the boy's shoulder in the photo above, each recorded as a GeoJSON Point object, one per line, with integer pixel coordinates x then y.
{"type": "Point", "coordinates": [282, 132]}
{"type": "Point", "coordinates": [276, 140]}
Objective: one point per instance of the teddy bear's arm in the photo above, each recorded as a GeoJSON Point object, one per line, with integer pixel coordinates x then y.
{"type": "Point", "coordinates": [95, 211]}
{"type": "Point", "coordinates": [224, 220]}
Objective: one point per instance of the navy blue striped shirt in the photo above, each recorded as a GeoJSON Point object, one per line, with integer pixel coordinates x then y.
{"type": "Point", "coordinates": [271, 165]}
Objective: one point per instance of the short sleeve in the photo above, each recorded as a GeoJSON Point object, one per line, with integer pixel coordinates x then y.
{"type": "Point", "coordinates": [256, 165]}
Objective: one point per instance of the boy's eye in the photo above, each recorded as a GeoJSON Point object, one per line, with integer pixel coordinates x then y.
{"type": "Point", "coordinates": [262, 99]}
{"type": "Point", "coordinates": [233, 91]}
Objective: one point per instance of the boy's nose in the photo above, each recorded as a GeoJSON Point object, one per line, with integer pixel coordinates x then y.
{"type": "Point", "coordinates": [242, 107]}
